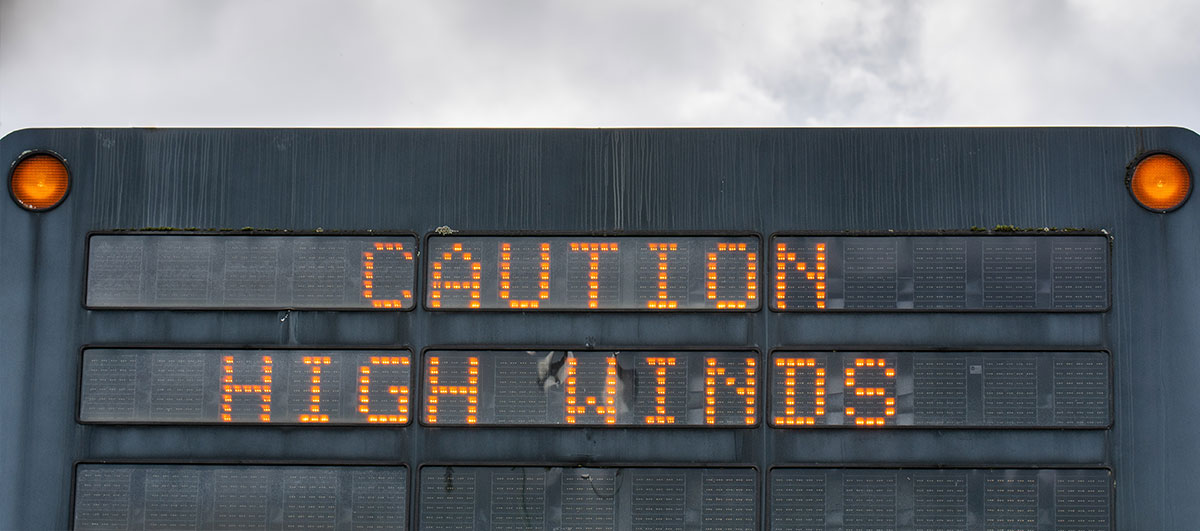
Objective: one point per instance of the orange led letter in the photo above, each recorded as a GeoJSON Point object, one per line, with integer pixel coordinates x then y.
{"type": "Point", "coordinates": [312, 412]}
{"type": "Point", "coordinates": [655, 285]}
{"type": "Point", "coordinates": [870, 391]}
{"type": "Point", "coordinates": [455, 401]}
{"type": "Point", "coordinates": [592, 268]}
{"type": "Point", "coordinates": [800, 400]}
{"type": "Point", "coordinates": [730, 391]}
{"type": "Point", "coordinates": [253, 397]}
{"type": "Point", "coordinates": [731, 276]}
{"type": "Point", "coordinates": [382, 281]}
{"type": "Point", "coordinates": [598, 408]}
{"type": "Point", "coordinates": [799, 275]}
{"type": "Point", "coordinates": [663, 368]}
{"type": "Point", "coordinates": [386, 379]}
{"type": "Point", "coordinates": [524, 273]}
{"type": "Point", "coordinates": [454, 277]}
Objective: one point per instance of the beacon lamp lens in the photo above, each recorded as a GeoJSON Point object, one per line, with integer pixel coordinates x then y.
{"type": "Point", "coordinates": [1160, 182]}
{"type": "Point", "coordinates": [39, 182]}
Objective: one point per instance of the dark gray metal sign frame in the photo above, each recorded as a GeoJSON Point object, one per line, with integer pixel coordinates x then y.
{"type": "Point", "coordinates": [762, 181]}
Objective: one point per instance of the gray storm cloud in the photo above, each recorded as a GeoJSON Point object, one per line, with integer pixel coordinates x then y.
{"type": "Point", "coordinates": [576, 64]}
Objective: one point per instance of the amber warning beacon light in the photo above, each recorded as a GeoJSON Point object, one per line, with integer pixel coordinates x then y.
{"type": "Point", "coordinates": [1160, 182]}
{"type": "Point", "coordinates": [39, 181]}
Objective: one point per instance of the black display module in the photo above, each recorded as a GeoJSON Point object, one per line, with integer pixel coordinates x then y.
{"type": "Point", "coordinates": [277, 497]}
{"type": "Point", "coordinates": [979, 389]}
{"type": "Point", "coordinates": [245, 386]}
{"type": "Point", "coordinates": [966, 499]}
{"type": "Point", "coordinates": [544, 497]}
{"type": "Point", "coordinates": [240, 272]}
{"type": "Point", "coordinates": [1050, 272]}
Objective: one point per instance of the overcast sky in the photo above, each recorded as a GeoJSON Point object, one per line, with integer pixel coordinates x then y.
{"type": "Point", "coordinates": [597, 64]}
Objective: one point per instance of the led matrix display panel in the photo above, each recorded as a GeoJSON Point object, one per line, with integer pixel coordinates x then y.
{"type": "Point", "coordinates": [210, 271]}
{"type": "Point", "coordinates": [539, 497]}
{"type": "Point", "coordinates": [593, 273]}
{"type": "Point", "coordinates": [939, 389]}
{"type": "Point", "coordinates": [589, 388]}
{"type": "Point", "coordinates": [231, 386]}
{"type": "Point", "coordinates": [140, 496]}
{"type": "Point", "coordinates": [939, 273]}
{"type": "Point", "coordinates": [966, 499]}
